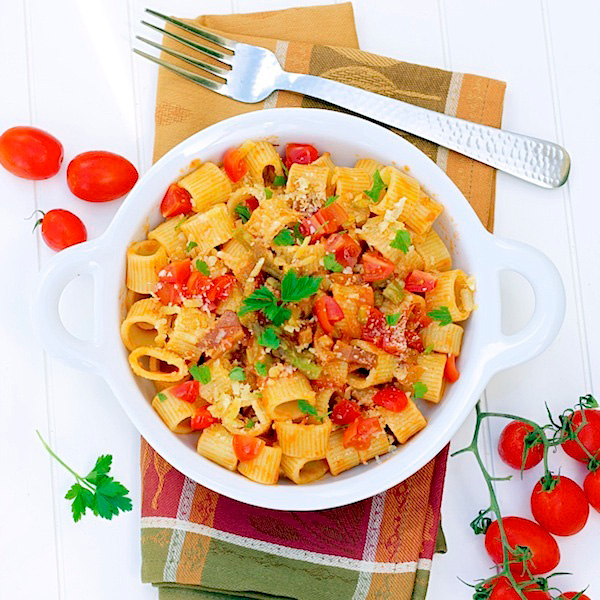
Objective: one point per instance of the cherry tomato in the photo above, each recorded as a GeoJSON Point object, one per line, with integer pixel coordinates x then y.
{"type": "Point", "coordinates": [545, 554]}
{"type": "Point", "coordinates": [451, 372]}
{"type": "Point", "coordinates": [234, 164]}
{"type": "Point", "coordinates": [570, 595]}
{"type": "Point", "coordinates": [376, 267]}
{"type": "Point", "coordinates": [328, 312]}
{"type": "Point", "coordinates": [589, 435]}
{"type": "Point", "coordinates": [391, 398]}
{"type": "Point", "coordinates": [346, 249]}
{"type": "Point", "coordinates": [563, 510]}
{"type": "Point", "coordinates": [345, 412]}
{"type": "Point", "coordinates": [198, 285]}
{"type": "Point", "coordinates": [187, 391]}
{"type": "Point", "coordinates": [202, 419]}
{"type": "Point", "coordinates": [99, 176]}
{"type": "Point", "coordinates": [169, 293]}
{"type": "Point", "coordinates": [326, 220]}
{"type": "Point", "coordinates": [503, 590]}
{"type": "Point", "coordinates": [176, 272]}
{"type": "Point", "coordinates": [378, 332]}
{"type": "Point", "coordinates": [177, 201]}
{"type": "Point", "coordinates": [247, 447]}
{"type": "Point", "coordinates": [419, 282]}
{"type": "Point", "coordinates": [30, 153]}
{"type": "Point", "coordinates": [61, 229]}
{"type": "Point", "coordinates": [511, 446]}
{"type": "Point", "coordinates": [220, 288]}
{"type": "Point", "coordinates": [252, 203]}
{"type": "Point", "coordinates": [360, 432]}
{"type": "Point", "coordinates": [591, 487]}
{"type": "Point", "coordinates": [302, 154]}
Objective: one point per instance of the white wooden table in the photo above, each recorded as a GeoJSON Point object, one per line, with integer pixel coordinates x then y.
{"type": "Point", "coordinates": [67, 67]}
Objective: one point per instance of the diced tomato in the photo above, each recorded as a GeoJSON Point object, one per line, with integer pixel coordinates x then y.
{"type": "Point", "coordinates": [252, 203]}
{"type": "Point", "coordinates": [420, 282]}
{"type": "Point", "coordinates": [202, 419]}
{"type": "Point", "coordinates": [328, 311]}
{"type": "Point", "coordinates": [360, 432]}
{"type": "Point", "coordinates": [345, 248]}
{"type": "Point", "coordinates": [234, 164]}
{"type": "Point", "coordinates": [451, 372]}
{"type": "Point", "coordinates": [176, 272]}
{"type": "Point", "coordinates": [391, 398]}
{"type": "Point", "coordinates": [187, 391]}
{"type": "Point", "coordinates": [413, 340]}
{"type": "Point", "coordinates": [376, 267]}
{"type": "Point", "coordinates": [198, 285]}
{"type": "Point", "coordinates": [169, 293]}
{"type": "Point", "coordinates": [345, 412]}
{"type": "Point", "coordinates": [247, 447]}
{"type": "Point", "coordinates": [303, 154]}
{"type": "Point", "coordinates": [326, 220]}
{"type": "Point", "coordinates": [389, 338]}
{"type": "Point", "coordinates": [417, 319]}
{"type": "Point", "coordinates": [220, 288]}
{"type": "Point", "coordinates": [177, 201]}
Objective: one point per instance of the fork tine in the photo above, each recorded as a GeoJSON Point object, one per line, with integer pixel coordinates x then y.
{"type": "Point", "coordinates": [226, 58]}
{"type": "Point", "coordinates": [207, 83]}
{"type": "Point", "coordinates": [207, 35]}
{"type": "Point", "coordinates": [192, 61]}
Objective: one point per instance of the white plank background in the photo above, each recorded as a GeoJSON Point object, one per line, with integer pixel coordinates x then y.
{"type": "Point", "coordinates": [67, 67]}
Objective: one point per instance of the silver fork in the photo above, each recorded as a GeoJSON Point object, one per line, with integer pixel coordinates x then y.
{"type": "Point", "coordinates": [254, 73]}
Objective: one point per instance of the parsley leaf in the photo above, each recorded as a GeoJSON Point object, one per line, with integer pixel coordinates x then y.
{"type": "Point", "coordinates": [97, 491]}
{"type": "Point", "coordinates": [190, 246]}
{"type": "Point", "coordinates": [201, 373]}
{"type": "Point", "coordinates": [237, 374]}
{"type": "Point", "coordinates": [264, 299]}
{"type": "Point", "coordinates": [277, 314]}
{"type": "Point", "coordinates": [331, 264]}
{"type": "Point", "coordinates": [243, 212]}
{"type": "Point", "coordinates": [284, 238]}
{"type": "Point", "coordinates": [161, 396]}
{"type": "Point", "coordinates": [429, 349]}
{"type": "Point", "coordinates": [419, 389]}
{"type": "Point", "coordinates": [393, 319]}
{"type": "Point", "coordinates": [261, 369]}
{"type": "Point", "coordinates": [294, 289]}
{"type": "Point", "coordinates": [279, 181]}
{"type": "Point", "coordinates": [377, 187]}
{"type": "Point", "coordinates": [307, 408]}
{"type": "Point", "coordinates": [249, 424]}
{"type": "Point", "coordinates": [441, 314]}
{"type": "Point", "coordinates": [202, 267]}
{"type": "Point", "coordinates": [181, 222]}
{"type": "Point", "coordinates": [268, 193]}
{"type": "Point", "coordinates": [330, 200]}
{"type": "Point", "coordinates": [297, 233]}
{"type": "Point", "coordinates": [269, 338]}
{"type": "Point", "coordinates": [402, 240]}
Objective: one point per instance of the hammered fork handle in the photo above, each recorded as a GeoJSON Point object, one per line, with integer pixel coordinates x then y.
{"type": "Point", "coordinates": [534, 160]}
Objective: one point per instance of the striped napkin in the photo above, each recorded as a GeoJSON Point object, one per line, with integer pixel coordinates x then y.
{"type": "Point", "coordinates": [199, 545]}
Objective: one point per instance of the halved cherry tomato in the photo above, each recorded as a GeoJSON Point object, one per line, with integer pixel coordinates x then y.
{"type": "Point", "coordinates": [30, 152]}
{"type": "Point", "coordinates": [177, 201]}
{"type": "Point", "coordinates": [376, 267]}
{"type": "Point", "coordinates": [176, 272]}
{"type": "Point", "coordinates": [345, 248]}
{"type": "Point", "coordinates": [345, 412]}
{"type": "Point", "coordinates": [302, 154]}
{"type": "Point", "coordinates": [187, 391]}
{"type": "Point", "coordinates": [360, 432]}
{"type": "Point", "coordinates": [389, 338]}
{"type": "Point", "coordinates": [451, 372]}
{"type": "Point", "coordinates": [589, 435]}
{"type": "Point", "coordinates": [543, 548]}
{"type": "Point", "coordinates": [220, 288]}
{"type": "Point", "coordinates": [419, 282]}
{"type": "Point", "coordinates": [100, 176]}
{"type": "Point", "coordinates": [591, 487]}
{"type": "Point", "coordinates": [61, 229]}
{"type": "Point", "coordinates": [202, 419]}
{"type": "Point", "coordinates": [326, 220]}
{"type": "Point", "coordinates": [328, 311]}
{"type": "Point", "coordinates": [234, 164]}
{"type": "Point", "coordinates": [391, 398]}
{"type": "Point", "coordinates": [511, 446]}
{"type": "Point", "coordinates": [169, 293]}
{"type": "Point", "coordinates": [247, 447]}
{"type": "Point", "coordinates": [198, 285]}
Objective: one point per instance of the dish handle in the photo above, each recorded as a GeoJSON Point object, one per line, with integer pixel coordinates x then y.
{"type": "Point", "coordinates": [88, 355]}
{"type": "Point", "coordinates": [549, 311]}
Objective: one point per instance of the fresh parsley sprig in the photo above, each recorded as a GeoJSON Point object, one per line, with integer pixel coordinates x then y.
{"type": "Point", "coordinates": [393, 319]}
{"type": "Point", "coordinates": [202, 267]}
{"type": "Point", "coordinates": [97, 491]}
{"type": "Point", "coordinates": [284, 238]}
{"type": "Point", "coordinates": [377, 187]}
{"type": "Point", "coordinates": [243, 212]}
{"type": "Point", "coordinates": [419, 389]}
{"type": "Point", "coordinates": [269, 338]}
{"type": "Point", "coordinates": [294, 288]}
{"type": "Point", "coordinates": [331, 264]}
{"type": "Point", "coordinates": [402, 240]}
{"type": "Point", "coordinates": [201, 373]}
{"type": "Point", "coordinates": [441, 314]}
{"type": "Point", "coordinates": [279, 181]}
{"type": "Point", "coordinates": [309, 410]}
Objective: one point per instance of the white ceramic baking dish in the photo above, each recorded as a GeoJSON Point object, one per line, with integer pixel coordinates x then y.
{"type": "Point", "coordinates": [486, 349]}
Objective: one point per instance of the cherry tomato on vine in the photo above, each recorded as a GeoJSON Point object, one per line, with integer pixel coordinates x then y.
{"type": "Point", "coordinates": [543, 548]}
{"type": "Point", "coordinates": [503, 590]}
{"type": "Point", "coordinates": [302, 154]}
{"type": "Point", "coordinates": [61, 229]}
{"type": "Point", "coordinates": [30, 153]}
{"type": "Point", "coordinates": [570, 595]}
{"type": "Point", "coordinates": [589, 435]}
{"type": "Point", "coordinates": [563, 510]}
{"type": "Point", "coordinates": [591, 487]}
{"type": "Point", "coordinates": [512, 444]}
{"type": "Point", "coordinates": [100, 176]}
{"type": "Point", "coordinates": [176, 201]}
